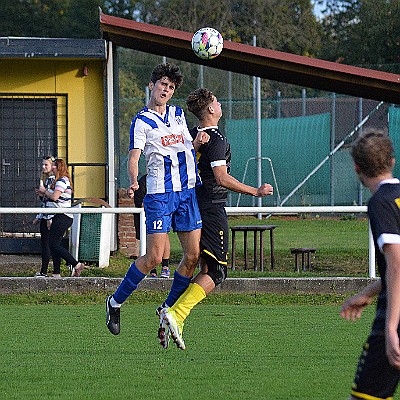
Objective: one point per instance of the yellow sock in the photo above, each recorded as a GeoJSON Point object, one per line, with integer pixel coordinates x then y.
{"type": "Point", "coordinates": [193, 295]}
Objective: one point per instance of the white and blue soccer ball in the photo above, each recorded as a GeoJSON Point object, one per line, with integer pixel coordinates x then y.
{"type": "Point", "coordinates": [207, 43]}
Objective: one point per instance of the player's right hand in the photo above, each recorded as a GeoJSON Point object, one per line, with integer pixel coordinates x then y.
{"type": "Point", "coordinates": [393, 347]}
{"type": "Point", "coordinates": [353, 307]}
{"type": "Point", "coordinates": [265, 190]}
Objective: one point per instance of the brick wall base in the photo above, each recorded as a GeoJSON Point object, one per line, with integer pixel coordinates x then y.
{"type": "Point", "coordinates": [127, 242]}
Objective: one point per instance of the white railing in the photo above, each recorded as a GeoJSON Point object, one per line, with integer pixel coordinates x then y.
{"type": "Point", "coordinates": [229, 210]}
{"type": "Point", "coordinates": [85, 210]}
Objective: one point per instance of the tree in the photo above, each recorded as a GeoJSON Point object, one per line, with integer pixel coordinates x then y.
{"type": "Point", "coordinates": [288, 26]}
{"type": "Point", "coordinates": [82, 20]}
{"type": "Point", "coordinates": [360, 32]}
{"type": "Point", "coordinates": [50, 18]}
{"type": "Point", "coordinates": [183, 14]}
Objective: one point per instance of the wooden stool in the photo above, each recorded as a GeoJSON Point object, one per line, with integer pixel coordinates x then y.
{"type": "Point", "coordinates": [303, 251]}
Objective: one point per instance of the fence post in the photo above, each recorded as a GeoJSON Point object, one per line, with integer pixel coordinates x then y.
{"type": "Point", "coordinates": [333, 135]}
{"type": "Point", "coordinates": [360, 117]}
{"type": "Point", "coordinates": [278, 104]}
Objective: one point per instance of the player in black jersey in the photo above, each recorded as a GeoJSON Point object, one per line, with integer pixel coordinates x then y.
{"type": "Point", "coordinates": [213, 161]}
{"type": "Point", "coordinates": [378, 371]}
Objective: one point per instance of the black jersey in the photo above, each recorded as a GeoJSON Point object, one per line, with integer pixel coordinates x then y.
{"type": "Point", "coordinates": [217, 149]}
{"type": "Point", "coordinates": [384, 216]}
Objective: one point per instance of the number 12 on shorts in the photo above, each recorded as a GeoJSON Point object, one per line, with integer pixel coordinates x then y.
{"type": "Point", "coordinates": [157, 224]}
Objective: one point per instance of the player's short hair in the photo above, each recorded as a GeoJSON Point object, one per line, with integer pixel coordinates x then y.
{"type": "Point", "coordinates": [198, 101]}
{"type": "Point", "coordinates": [171, 71]}
{"type": "Point", "coordinates": [373, 153]}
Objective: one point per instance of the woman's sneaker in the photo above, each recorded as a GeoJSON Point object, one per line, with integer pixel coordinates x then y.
{"type": "Point", "coordinates": [77, 270]}
{"type": "Point", "coordinates": [40, 275]}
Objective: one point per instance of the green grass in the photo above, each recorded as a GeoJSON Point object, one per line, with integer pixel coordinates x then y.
{"type": "Point", "coordinates": [341, 242]}
{"type": "Point", "coordinates": [342, 247]}
{"type": "Point", "coordinates": [238, 347]}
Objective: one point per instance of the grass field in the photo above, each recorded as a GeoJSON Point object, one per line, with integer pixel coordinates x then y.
{"type": "Point", "coordinates": [273, 347]}
{"type": "Point", "coordinates": [341, 242]}
{"type": "Point", "coordinates": [240, 347]}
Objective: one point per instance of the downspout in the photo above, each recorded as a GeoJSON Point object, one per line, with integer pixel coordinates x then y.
{"type": "Point", "coordinates": [111, 140]}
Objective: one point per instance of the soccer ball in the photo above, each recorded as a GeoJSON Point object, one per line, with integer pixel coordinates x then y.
{"type": "Point", "coordinates": [207, 43]}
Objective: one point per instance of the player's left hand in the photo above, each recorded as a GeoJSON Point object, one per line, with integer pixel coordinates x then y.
{"type": "Point", "coordinates": [265, 190]}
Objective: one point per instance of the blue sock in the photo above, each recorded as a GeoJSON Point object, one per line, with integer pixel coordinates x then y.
{"type": "Point", "coordinates": [179, 285]}
{"type": "Point", "coordinates": [128, 284]}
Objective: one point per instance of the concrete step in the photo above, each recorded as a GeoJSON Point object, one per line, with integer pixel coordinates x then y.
{"type": "Point", "coordinates": [336, 285]}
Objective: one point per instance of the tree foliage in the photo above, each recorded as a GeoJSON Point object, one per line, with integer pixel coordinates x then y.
{"type": "Point", "coordinates": [362, 32]}
{"type": "Point", "coordinates": [50, 18]}
{"type": "Point", "coordinates": [351, 31]}
{"type": "Point", "coordinates": [288, 26]}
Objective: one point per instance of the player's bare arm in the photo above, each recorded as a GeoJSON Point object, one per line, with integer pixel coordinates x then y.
{"type": "Point", "coordinates": [392, 255]}
{"type": "Point", "coordinates": [228, 181]}
{"type": "Point", "coordinates": [353, 307]}
{"type": "Point", "coordinates": [133, 171]}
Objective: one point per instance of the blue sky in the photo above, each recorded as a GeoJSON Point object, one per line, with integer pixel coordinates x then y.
{"type": "Point", "coordinates": [317, 10]}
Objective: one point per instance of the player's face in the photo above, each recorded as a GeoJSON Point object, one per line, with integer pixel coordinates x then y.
{"type": "Point", "coordinates": [162, 90]}
{"type": "Point", "coordinates": [216, 105]}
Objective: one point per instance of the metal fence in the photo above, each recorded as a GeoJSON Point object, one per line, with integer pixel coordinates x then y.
{"type": "Point", "coordinates": [337, 185]}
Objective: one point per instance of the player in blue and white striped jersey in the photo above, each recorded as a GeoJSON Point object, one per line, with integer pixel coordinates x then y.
{"type": "Point", "coordinates": [160, 132]}
{"type": "Point", "coordinates": [167, 145]}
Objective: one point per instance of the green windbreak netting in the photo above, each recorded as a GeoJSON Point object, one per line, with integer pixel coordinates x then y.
{"type": "Point", "coordinates": [394, 133]}
{"type": "Point", "coordinates": [292, 148]}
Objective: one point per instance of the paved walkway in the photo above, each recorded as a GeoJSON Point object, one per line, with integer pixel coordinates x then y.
{"type": "Point", "coordinates": [11, 264]}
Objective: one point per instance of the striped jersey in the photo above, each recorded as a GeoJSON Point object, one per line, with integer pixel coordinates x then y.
{"type": "Point", "coordinates": [64, 186]}
{"type": "Point", "coordinates": [167, 146]}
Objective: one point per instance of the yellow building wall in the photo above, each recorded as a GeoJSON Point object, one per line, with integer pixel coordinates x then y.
{"type": "Point", "coordinates": [85, 139]}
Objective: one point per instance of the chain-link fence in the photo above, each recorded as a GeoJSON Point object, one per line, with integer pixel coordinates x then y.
{"type": "Point", "coordinates": [301, 128]}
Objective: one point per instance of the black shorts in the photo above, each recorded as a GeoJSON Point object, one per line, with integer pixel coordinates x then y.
{"type": "Point", "coordinates": [375, 378]}
{"type": "Point", "coordinates": [214, 233]}
{"type": "Point", "coordinates": [136, 222]}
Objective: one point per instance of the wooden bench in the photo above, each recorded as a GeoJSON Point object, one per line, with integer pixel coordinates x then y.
{"type": "Point", "coordinates": [304, 251]}
{"type": "Point", "coordinates": [255, 229]}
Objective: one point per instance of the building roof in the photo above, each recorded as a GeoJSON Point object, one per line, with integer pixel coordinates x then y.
{"type": "Point", "coordinates": [256, 61]}
{"type": "Point", "coordinates": [19, 47]}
